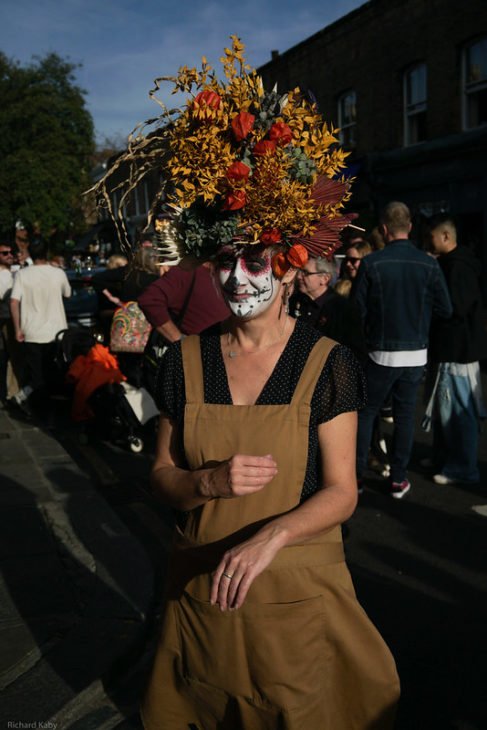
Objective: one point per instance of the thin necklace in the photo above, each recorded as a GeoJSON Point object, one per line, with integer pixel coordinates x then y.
{"type": "Point", "coordinates": [232, 353]}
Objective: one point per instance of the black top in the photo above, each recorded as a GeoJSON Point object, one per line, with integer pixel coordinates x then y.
{"type": "Point", "coordinates": [461, 338]}
{"type": "Point", "coordinates": [122, 282]}
{"type": "Point", "coordinates": [340, 387]}
{"type": "Point", "coordinates": [334, 316]}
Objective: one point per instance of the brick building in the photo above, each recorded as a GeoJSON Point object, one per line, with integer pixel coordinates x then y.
{"type": "Point", "coordinates": [406, 81]}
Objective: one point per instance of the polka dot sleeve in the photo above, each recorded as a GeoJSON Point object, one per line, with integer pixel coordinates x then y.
{"type": "Point", "coordinates": [340, 387]}
{"type": "Point", "coordinates": [170, 395]}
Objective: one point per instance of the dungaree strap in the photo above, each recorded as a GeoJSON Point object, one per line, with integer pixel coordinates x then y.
{"type": "Point", "coordinates": [193, 369]}
{"type": "Point", "coordinates": [312, 370]}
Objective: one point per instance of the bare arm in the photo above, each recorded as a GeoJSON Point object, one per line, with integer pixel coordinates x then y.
{"type": "Point", "coordinates": [15, 312]}
{"type": "Point", "coordinates": [170, 331]}
{"type": "Point", "coordinates": [329, 507]}
{"type": "Point", "coordinates": [112, 298]}
{"type": "Point", "coordinates": [186, 490]}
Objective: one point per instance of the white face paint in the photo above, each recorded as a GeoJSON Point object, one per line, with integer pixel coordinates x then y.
{"type": "Point", "coordinates": [246, 278]}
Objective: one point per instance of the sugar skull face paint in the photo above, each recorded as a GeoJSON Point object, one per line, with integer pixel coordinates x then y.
{"type": "Point", "coordinates": [246, 279]}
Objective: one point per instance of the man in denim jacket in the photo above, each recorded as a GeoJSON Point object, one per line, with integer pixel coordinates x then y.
{"type": "Point", "coordinates": [397, 290]}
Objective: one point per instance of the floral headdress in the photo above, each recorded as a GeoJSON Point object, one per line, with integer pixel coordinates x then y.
{"type": "Point", "coordinates": [239, 164]}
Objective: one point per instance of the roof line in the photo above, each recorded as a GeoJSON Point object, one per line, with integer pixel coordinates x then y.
{"type": "Point", "coordinates": [320, 32]}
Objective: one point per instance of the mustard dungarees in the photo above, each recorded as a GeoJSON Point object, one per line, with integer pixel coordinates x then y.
{"type": "Point", "coordinates": [300, 654]}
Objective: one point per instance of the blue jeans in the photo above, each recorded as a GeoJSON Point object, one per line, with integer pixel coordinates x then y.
{"type": "Point", "coordinates": [402, 383]}
{"type": "Point", "coordinates": [455, 428]}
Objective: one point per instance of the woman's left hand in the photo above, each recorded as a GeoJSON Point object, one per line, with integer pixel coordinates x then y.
{"type": "Point", "coordinates": [241, 565]}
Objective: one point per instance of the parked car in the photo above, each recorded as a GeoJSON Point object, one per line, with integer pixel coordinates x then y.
{"type": "Point", "coordinates": [82, 307]}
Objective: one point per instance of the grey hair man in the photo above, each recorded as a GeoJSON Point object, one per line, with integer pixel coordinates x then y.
{"type": "Point", "coordinates": [318, 304]}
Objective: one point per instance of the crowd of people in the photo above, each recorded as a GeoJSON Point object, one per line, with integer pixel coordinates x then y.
{"type": "Point", "coordinates": [401, 315]}
{"type": "Point", "coordinates": [269, 357]}
{"type": "Point", "coordinates": [407, 312]}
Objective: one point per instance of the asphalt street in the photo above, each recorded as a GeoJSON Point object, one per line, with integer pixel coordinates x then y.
{"type": "Point", "coordinates": [418, 565]}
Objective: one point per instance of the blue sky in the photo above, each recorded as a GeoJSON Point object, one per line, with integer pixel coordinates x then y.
{"type": "Point", "coordinates": [123, 45]}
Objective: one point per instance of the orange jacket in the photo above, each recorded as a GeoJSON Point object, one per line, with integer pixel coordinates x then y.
{"type": "Point", "coordinates": [89, 372]}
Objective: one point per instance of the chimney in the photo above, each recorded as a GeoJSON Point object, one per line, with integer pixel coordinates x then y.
{"type": "Point", "coordinates": [274, 55]}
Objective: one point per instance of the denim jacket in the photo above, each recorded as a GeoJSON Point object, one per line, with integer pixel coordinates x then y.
{"type": "Point", "coordinates": [397, 290]}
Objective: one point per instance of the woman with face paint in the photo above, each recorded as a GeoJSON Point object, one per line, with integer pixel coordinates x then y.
{"type": "Point", "coordinates": [256, 444]}
{"type": "Point", "coordinates": [258, 425]}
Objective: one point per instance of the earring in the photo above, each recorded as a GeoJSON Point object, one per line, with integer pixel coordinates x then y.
{"type": "Point", "coordinates": [285, 297]}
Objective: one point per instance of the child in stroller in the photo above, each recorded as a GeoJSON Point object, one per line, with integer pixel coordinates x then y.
{"type": "Point", "coordinates": [115, 410]}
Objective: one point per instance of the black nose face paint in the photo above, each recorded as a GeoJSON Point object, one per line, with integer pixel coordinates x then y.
{"type": "Point", "coordinates": [247, 280]}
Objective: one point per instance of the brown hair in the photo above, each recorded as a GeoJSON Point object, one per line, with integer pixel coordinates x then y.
{"type": "Point", "coordinates": [376, 239]}
{"type": "Point", "coordinates": [145, 259]}
{"type": "Point", "coordinates": [363, 248]}
{"type": "Point", "coordinates": [396, 217]}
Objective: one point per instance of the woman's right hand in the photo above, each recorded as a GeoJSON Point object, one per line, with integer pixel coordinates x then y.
{"type": "Point", "coordinates": [237, 476]}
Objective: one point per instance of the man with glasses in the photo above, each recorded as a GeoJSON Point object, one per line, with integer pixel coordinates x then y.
{"type": "Point", "coordinates": [397, 290]}
{"type": "Point", "coordinates": [6, 282]}
{"type": "Point", "coordinates": [318, 304]}
{"type": "Point", "coordinates": [6, 261]}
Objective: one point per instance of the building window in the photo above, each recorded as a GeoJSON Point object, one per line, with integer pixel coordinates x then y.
{"type": "Point", "coordinates": [347, 119]}
{"type": "Point", "coordinates": [415, 104]}
{"type": "Point", "coordinates": [475, 84]}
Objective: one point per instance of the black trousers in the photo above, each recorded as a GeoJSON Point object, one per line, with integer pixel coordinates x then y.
{"type": "Point", "coordinates": [40, 364]}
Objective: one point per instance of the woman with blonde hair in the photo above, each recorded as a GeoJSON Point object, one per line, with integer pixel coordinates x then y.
{"type": "Point", "coordinates": [116, 261]}
{"type": "Point", "coordinates": [353, 256]}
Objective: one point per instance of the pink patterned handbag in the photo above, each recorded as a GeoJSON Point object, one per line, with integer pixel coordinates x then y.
{"type": "Point", "coordinates": [129, 330]}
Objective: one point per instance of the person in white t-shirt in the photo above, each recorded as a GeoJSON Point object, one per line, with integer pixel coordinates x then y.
{"type": "Point", "coordinates": [37, 309]}
{"type": "Point", "coordinates": [6, 281]}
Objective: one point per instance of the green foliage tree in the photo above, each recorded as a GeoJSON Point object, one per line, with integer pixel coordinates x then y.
{"type": "Point", "coordinates": [46, 143]}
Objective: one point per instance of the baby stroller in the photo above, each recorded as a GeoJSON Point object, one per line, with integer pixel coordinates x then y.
{"type": "Point", "coordinates": [111, 408]}
{"type": "Point", "coordinates": [122, 411]}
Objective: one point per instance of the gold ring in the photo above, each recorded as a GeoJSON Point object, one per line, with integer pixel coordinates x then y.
{"type": "Point", "coordinates": [228, 575]}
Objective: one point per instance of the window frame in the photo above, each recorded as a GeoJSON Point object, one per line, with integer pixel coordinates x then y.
{"type": "Point", "coordinates": [470, 88]}
{"type": "Point", "coordinates": [344, 127]}
{"type": "Point", "coordinates": [410, 110]}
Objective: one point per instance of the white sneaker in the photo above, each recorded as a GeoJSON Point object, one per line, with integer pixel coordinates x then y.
{"type": "Point", "coordinates": [399, 489]}
{"type": "Point", "coordinates": [442, 479]}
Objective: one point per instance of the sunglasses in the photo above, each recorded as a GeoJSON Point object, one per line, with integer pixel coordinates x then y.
{"type": "Point", "coordinates": [305, 274]}
{"type": "Point", "coordinates": [351, 259]}
{"type": "Point", "coordinates": [6, 253]}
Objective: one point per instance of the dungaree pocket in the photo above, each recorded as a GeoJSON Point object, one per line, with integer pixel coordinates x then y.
{"type": "Point", "coordinates": [272, 654]}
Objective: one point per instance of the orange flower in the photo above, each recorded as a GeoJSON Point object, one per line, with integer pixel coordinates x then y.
{"type": "Point", "coordinates": [208, 98]}
{"type": "Point", "coordinates": [242, 124]}
{"type": "Point", "coordinates": [297, 256]}
{"type": "Point", "coordinates": [270, 236]}
{"type": "Point", "coordinates": [280, 265]}
{"type": "Point", "coordinates": [234, 200]}
{"type": "Point", "coordinates": [280, 133]}
{"type": "Point", "coordinates": [265, 147]}
{"type": "Point", "coordinates": [238, 172]}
